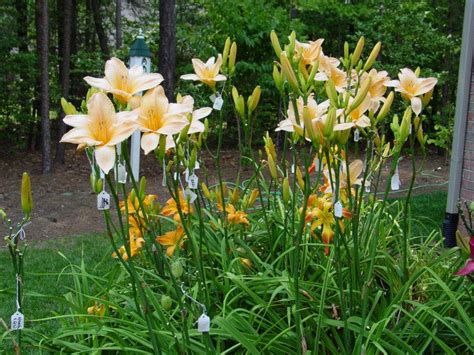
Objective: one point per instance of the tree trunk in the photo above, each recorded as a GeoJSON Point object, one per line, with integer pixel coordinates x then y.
{"type": "Point", "coordinates": [64, 51]}
{"type": "Point", "coordinates": [167, 46]}
{"type": "Point", "coordinates": [118, 24]}
{"type": "Point", "coordinates": [43, 44]}
{"type": "Point", "coordinates": [99, 28]}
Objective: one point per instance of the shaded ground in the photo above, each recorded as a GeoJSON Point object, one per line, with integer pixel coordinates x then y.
{"type": "Point", "coordinates": [64, 205]}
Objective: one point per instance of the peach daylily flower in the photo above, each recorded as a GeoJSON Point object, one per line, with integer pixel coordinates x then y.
{"type": "Point", "coordinates": [157, 116]}
{"type": "Point", "coordinates": [207, 73]}
{"type": "Point", "coordinates": [196, 126]}
{"type": "Point", "coordinates": [411, 87]}
{"type": "Point", "coordinates": [309, 52]}
{"type": "Point", "coordinates": [357, 117]}
{"type": "Point", "coordinates": [102, 128]}
{"type": "Point", "coordinates": [315, 110]}
{"type": "Point", "coordinates": [122, 82]}
{"type": "Point", "coordinates": [377, 87]}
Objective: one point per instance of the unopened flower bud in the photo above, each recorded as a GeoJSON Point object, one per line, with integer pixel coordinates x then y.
{"type": "Point", "coordinates": [289, 72]}
{"type": "Point", "coordinates": [166, 302]}
{"type": "Point", "coordinates": [299, 178]}
{"type": "Point", "coordinates": [177, 269]}
{"type": "Point", "coordinates": [361, 95]}
{"type": "Point", "coordinates": [331, 92]}
{"type": "Point", "coordinates": [26, 195]}
{"type": "Point", "coordinates": [272, 167]}
{"type": "Point", "coordinates": [386, 107]}
{"type": "Point", "coordinates": [254, 99]}
{"type": "Point", "coordinates": [253, 197]}
{"type": "Point", "coordinates": [225, 52]}
{"type": "Point", "coordinates": [232, 56]}
{"type": "Point", "coordinates": [357, 51]}
{"type": "Point", "coordinates": [68, 108]}
{"type": "Point", "coordinates": [278, 78]}
{"type": "Point", "coordinates": [330, 123]}
{"type": "Point", "coordinates": [205, 191]}
{"type": "Point", "coordinates": [372, 57]}
{"type": "Point", "coordinates": [142, 187]}
{"type": "Point", "coordinates": [275, 43]}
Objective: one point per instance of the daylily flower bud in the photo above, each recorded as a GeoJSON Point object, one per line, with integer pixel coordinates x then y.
{"type": "Point", "coordinates": [177, 269]}
{"type": "Point", "coordinates": [386, 107]}
{"type": "Point", "coordinates": [235, 94]}
{"type": "Point", "coordinates": [372, 57]}
{"type": "Point", "coordinates": [234, 196]}
{"type": "Point", "coordinates": [286, 190]}
{"type": "Point", "coordinates": [206, 128]}
{"type": "Point", "coordinates": [313, 72]}
{"type": "Point", "coordinates": [166, 302]}
{"type": "Point", "coordinates": [254, 99]}
{"type": "Point", "coordinates": [99, 185]}
{"type": "Point", "coordinates": [272, 167]}
{"type": "Point", "coordinates": [386, 151]}
{"type": "Point", "coordinates": [180, 152]}
{"type": "Point", "coordinates": [417, 71]}
{"type": "Point", "coordinates": [342, 136]}
{"type": "Point", "coordinates": [246, 262]}
{"type": "Point", "coordinates": [357, 51]}
{"type": "Point", "coordinates": [253, 197]}
{"type": "Point", "coordinates": [192, 159]}
{"type": "Point", "coordinates": [232, 56]}
{"type": "Point", "coordinates": [225, 52]}
{"type": "Point", "coordinates": [162, 147]}
{"type": "Point", "coordinates": [308, 125]}
{"type": "Point", "coordinates": [240, 107]}
{"type": "Point", "coordinates": [331, 92]}
{"type": "Point", "coordinates": [405, 126]}
{"type": "Point", "coordinates": [205, 191]}
{"type": "Point", "coordinates": [183, 135]}
{"type": "Point", "coordinates": [289, 72]}
{"type": "Point", "coordinates": [299, 178]}
{"type": "Point", "coordinates": [278, 78]}
{"type": "Point", "coordinates": [3, 215]}
{"type": "Point", "coordinates": [269, 146]}
{"type": "Point", "coordinates": [346, 50]}
{"type": "Point", "coordinates": [26, 195]}
{"type": "Point", "coordinates": [330, 123]}
{"type": "Point", "coordinates": [275, 43]}
{"type": "Point", "coordinates": [418, 126]}
{"type": "Point", "coordinates": [291, 45]}
{"type": "Point", "coordinates": [142, 188]}
{"type": "Point", "coordinates": [364, 89]}
{"type": "Point", "coordinates": [471, 206]}
{"type": "Point", "coordinates": [68, 108]}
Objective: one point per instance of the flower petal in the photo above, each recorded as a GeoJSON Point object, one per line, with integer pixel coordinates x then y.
{"type": "Point", "coordinates": [99, 83]}
{"type": "Point", "coordinates": [190, 77]}
{"type": "Point", "coordinates": [76, 120]}
{"type": "Point", "coordinates": [145, 82]}
{"type": "Point", "coordinates": [150, 141]}
{"type": "Point", "coordinates": [416, 105]}
{"type": "Point", "coordinates": [105, 157]}
{"type": "Point", "coordinates": [466, 269]}
{"type": "Point", "coordinates": [201, 113]}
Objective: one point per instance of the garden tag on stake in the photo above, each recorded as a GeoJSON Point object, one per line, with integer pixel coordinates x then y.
{"type": "Point", "coordinates": [121, 173]}
{"type": "Point", "coordinates": [103, 198]}
{"type": "Point", "coordinates": [338, 209]}
{"type": "Point", "coordinates": [17, 320]}
{"type": "Point", "coordinates": [203, 322]}
{"type": "Point", "coordinates": [193, 181]}
{"type": "Point", "coordinates": [356, 135]}
{"type": "Point", "coordinates": [218, 102]}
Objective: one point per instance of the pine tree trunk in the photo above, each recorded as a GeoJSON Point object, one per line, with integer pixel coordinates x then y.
{"type": "Point", "coordinates": [64, 51]}
{"type": "Point", "coordinates": [167, 46]}
{"type": "Point", "coordinates": [22, 23]}
{"type": "Point", "coordinates": [99, 28]}
{"type": "Point", "coordinates": [118, 24]}
{"type": "Point", "coordinates": [43, 44]}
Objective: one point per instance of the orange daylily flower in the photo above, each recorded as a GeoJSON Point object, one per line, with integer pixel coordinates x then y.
{"type": "Point", "coordinates": [234, 216]}
{"type": "Point", "coordinates": [171, 207]}
{"type": "Point", "coordinates": [172, 239]}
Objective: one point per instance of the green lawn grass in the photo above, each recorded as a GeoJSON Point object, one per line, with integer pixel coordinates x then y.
{"type": "Point", "coordinates": [43, 263]}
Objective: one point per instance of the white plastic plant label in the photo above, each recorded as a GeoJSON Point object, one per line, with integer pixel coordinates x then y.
{"type": "Point", "coordinates": [316, 164]}
{"type": "Point", "coordinates": [190, 195]}
{"type": "Point", "coordinates": [176, 175]}
{"type": "Point", "coordinates": [395, 182]}
{"type": "Point", "coordinates": [103, 201]}
{"type": "Point", "coordinates": [212, 98]}
{"type": "Point", "coordinates": [367, 183]}
{"type": "Point", "coordinates": [218, 102]}
{"type": "Point", "coordinates": [204, 323]}
{"type": "Point", "coordinates": [121, 174]}
{"type": "Point", "coordinates": [193, 181]}
{"type": "Point", "coordinates": [186, 175]}
{"type": "Point", "coordinates": [102, 174]}
{"type": "Point", "coordinates": [17, 321]}
{"type": "Point", "coordinates": [196, 165]}
{"type": "Point", "coordinates": [292, 168]}
{"type": "Point", "coordinates": [338, 209]}
{"type": "Point", "coordinates": [356, 135]}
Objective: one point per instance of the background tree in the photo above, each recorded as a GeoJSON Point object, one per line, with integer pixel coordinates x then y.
{"type": "Point", "coordinates": [118, 24]}
{"type": "Point", "coordinates": [42, 33]}
{"type": "Point", "coordinates": [64, 51]}
{"type": "Point", "coordinates": [99, 28]}
{"type": "Point", "coordinates": [167, 46]}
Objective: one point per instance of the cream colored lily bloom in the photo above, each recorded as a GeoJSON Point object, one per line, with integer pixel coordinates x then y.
{"type": "Point", "coordinates": [309, 52]}
{"type": "Point", "coordinates": [316, 112]}
{"type": "Point", "coordinates": [157, 116]}
{"type": "Point", "coordinates": [122, 82]}
{"type": "Point", "coordinates": [411, 87]}
{"type": "Point", "coordinates": [207, 73]}
{"type": "Point", "coordinates": [102, 127]}
{"type": "Point", "coordinates": [355, 170]}
{"type": "Point", "coordinates": [196, 126]}
{"type": "Point", "coordinates": [357, 118]}
{"type": "Point", "coordinates": [377, 87]}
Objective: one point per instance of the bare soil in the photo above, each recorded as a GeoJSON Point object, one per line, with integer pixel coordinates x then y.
{"type": "Point", "coordinates": [65, 206]}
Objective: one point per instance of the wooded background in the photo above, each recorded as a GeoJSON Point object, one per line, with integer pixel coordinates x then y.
{"type": "Point", "coordinates": [47, 47]}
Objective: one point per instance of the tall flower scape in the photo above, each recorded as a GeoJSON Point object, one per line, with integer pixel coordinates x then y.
{"type": "Point", "coordinates": [306, 254]}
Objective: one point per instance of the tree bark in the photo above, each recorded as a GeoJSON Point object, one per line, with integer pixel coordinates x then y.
{"type": "Point", "coordinates": [118, 24]}
{"type": "Point", "coordinates": [167, 46]}
{"type": "Point", "coordinates": [99, 28]}
{"type": "Point", "coordinates": [42, 43]}
{"type": "Point", "coordinates": [64, 52]}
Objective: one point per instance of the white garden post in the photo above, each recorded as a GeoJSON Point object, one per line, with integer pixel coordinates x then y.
{"type": "Point", "coordinates": [139, 55]}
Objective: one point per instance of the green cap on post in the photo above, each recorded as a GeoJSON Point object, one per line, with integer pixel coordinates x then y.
{"type": "Point", "coordinates": [139, 48]}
